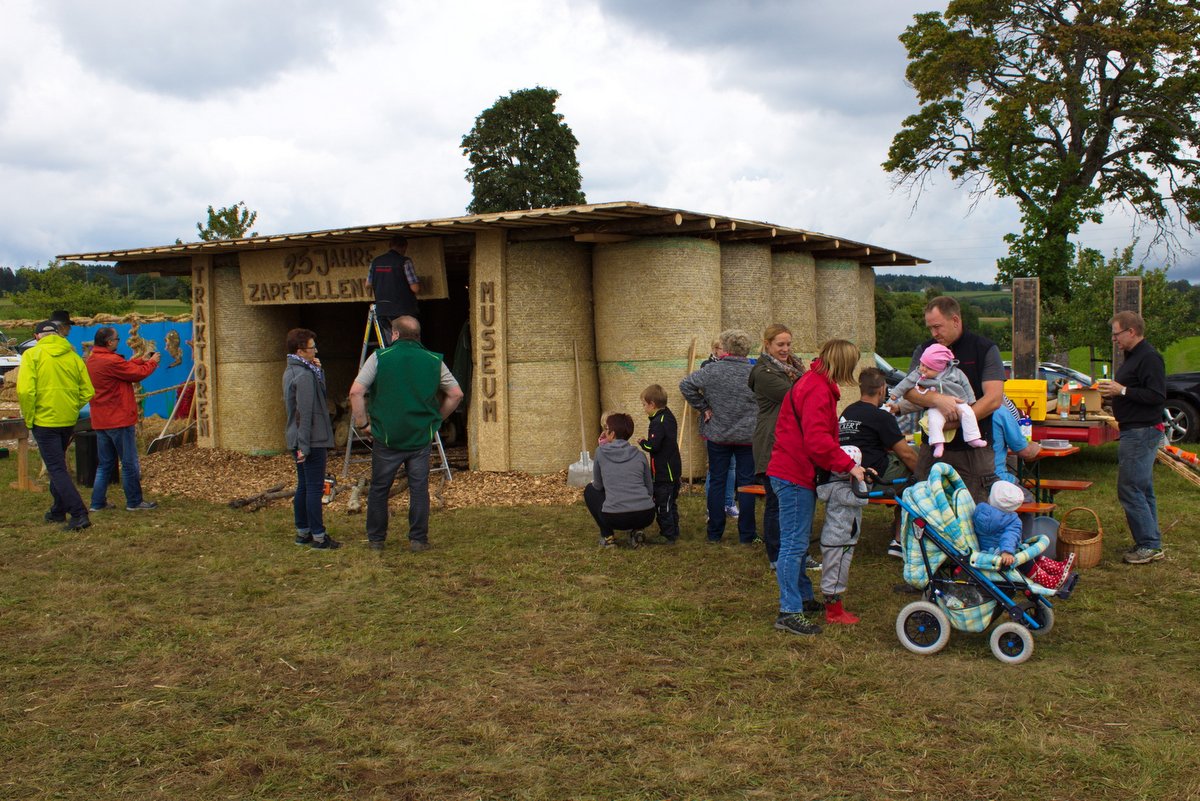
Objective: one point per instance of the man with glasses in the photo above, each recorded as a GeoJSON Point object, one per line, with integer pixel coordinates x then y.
{"type": "Point", "coordinates": [1138, 393]}
{"type": "Point", "coordinates": [115, 417]}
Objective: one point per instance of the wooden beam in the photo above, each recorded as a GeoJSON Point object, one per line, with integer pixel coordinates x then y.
{"type": "Point", "coordinates": [811, 245]}
{"type": "Point", "coordinates": [600, 239]}
{"type": "Point", "coordinates": [855, 253]}
{"type": "Point", "coordinates": [794, 239]}
{"type": "Point", "coordinates": [1127, 296]}
{"type": "Point", "coordinates": [670, 224]}
{"type": "Point", "coordinates": [1026, 326]}
{"type": "Point", "coordinates": [750, 233]}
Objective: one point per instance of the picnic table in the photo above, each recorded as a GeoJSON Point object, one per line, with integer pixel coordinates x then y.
{"type": "Point", "coordinates": [1084, 432]}
{"type": "Point", "coordinates": [14, 428]}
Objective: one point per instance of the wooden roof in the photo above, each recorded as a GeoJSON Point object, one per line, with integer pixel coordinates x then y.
{"type": "Point", "coordinates": [596, 222]}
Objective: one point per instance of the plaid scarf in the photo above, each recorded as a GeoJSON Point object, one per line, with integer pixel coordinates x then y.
{"type": "Point", "coordinates": [294, 359]}
{"type": "Point", "coordinates": [791, 368]}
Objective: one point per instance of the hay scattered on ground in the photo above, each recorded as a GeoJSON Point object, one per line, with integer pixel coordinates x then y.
{"type": "Point", "coordinates": [220, 476]}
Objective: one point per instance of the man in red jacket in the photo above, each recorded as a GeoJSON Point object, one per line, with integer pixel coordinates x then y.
{"type": "Point", "coordinates": [114, 418]}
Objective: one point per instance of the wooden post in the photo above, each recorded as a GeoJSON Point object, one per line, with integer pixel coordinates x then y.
{"type": "Point", "coordinates": [1026, 327]}
{"type": "Point", "coordinates": [1127, 296]}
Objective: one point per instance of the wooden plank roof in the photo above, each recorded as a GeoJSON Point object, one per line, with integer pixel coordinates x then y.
{"type": "Point", "coordinates": [595, 222]}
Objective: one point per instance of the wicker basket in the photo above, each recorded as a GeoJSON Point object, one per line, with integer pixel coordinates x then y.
{"type": "Point", "coordinates": [1084, 543]}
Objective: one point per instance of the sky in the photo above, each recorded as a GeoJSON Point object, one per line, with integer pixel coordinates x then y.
{"type": "Point", "coordinates": [120, 122]}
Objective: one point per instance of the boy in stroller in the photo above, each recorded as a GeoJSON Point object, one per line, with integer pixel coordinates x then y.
{"type": "Point", "coordinates": [998, 529]}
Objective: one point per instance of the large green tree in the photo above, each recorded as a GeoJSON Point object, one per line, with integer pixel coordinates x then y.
{"type": "Point", "coordinates": [522, 155]}
{"type": "Point", "coordinates": [1063, 105]}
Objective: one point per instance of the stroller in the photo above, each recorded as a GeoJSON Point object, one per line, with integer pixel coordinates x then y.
{"type": "Point", "coordinates": [963, 588]}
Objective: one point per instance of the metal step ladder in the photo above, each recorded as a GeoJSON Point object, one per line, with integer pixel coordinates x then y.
{"type": "Point", "coordinates": [353, 435]}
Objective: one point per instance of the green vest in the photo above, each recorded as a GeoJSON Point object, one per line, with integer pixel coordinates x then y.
{"type": "Point", "coordinates": [404, 404]}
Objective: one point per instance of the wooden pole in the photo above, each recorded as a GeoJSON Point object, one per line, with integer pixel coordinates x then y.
{"type": "Point", "coordinates": [686, 415]}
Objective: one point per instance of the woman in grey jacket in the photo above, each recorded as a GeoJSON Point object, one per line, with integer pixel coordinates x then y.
{"type": "Point", "coordinates": [309, 435]}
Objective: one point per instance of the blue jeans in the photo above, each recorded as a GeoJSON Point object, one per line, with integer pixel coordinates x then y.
{"type": "Point", "coordinates": [384, 464]}
{"type": "Point", "coordinates": [796, 507]}
{"type": "Point", "coordinates": [310, 486]}
{"type": "Point", "coordinates": [113, 444]}
{"type": "Point", "coordinates": [1135, 484]}
{"type": "Point", "coordinates": [52, 446]}
{"type": "Point", "coordinates": [730, 487]}
{"type": "Point", "coordinates": [719, 458]}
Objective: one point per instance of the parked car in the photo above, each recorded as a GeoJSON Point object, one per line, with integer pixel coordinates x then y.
{"type": "Point", "coordinates": [1052, 373]}
{"type": "Point", "coordinates": [1183, 407]}
{"type": "Point", "coordinates": [892, 375]}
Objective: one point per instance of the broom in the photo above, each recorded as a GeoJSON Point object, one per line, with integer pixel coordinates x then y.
{"type": "Point", "coordinates": [580, 473]}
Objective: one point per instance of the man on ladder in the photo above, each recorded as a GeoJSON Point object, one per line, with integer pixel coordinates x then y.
{"type": "Point", "coordinates": [409, 391]}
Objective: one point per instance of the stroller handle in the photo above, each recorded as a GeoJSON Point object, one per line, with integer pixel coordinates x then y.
{"type": "Point", "coordinates": [882, 489]}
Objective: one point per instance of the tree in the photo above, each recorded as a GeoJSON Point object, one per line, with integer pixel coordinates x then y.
{"type": "Point", "coordinates": [231, 222]}
{"type": "Point", "coordinates": [522, 155]}
{"type": "Point", "coordinates": [1170, 314]}
{"type": "Point", "coordinates": [1063, 105]}
{"type": "Point", "coordinates": [61, 286]}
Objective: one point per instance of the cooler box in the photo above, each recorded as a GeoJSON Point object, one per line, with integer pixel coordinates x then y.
{"type": "Point", "coordinates": [1029, 394]}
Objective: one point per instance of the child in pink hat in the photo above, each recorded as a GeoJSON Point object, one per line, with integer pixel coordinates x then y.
{"type": "Point", "coordinates": [938, 371]}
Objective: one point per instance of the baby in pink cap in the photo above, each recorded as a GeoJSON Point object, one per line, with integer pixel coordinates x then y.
{"type": "Point", "coordinates": [938, 371]}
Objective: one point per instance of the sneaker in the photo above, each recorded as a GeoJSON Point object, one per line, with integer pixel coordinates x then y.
{"type": "Point", "coordinates": [608, 542]}
{"type": "Point", "coordinates": [813, 564]}
{"type": "Point", "coordinates": [731, 511]}
{"type": "Point", "coordinates": [78, 523]}
{"type": "Point", "coordinates": [328, 543]}
{"type": "Point", "coordinates": [303, 538]}
{"type": "Point", "coordinates": [813, 606]}
{"type": "Point", "coordinates": [144, 506]}
{"type": "Point", "coordinates": [416, 546]}
{"type": "Point", "coordinates": [751, 543]}
{"type": "Point", "coordinates": [100, 508]}
{"type": "Point", "coordinates": [55, 517]}
{"type": "Point", "coordinates": [797, 623]}
{"type": "Point", "coordinates": [375, 545]}
{"type": "Point", "coordinates": [1142, 556]}
{"type": "Point", "coordinates": [895, 550]}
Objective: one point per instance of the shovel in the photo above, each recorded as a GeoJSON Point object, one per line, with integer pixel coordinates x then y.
{"type": "Point", "coordinates": [580, 473]}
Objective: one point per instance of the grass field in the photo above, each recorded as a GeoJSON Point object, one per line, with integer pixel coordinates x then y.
{"type": "Point", "coordinates": [195, 653]}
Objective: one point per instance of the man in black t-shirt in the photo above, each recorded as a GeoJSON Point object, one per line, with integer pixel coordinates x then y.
{"type": "Point", "coordinates": [876, 433]}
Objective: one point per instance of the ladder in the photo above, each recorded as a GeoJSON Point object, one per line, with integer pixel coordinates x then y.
{"type": "Point", "coordinates": [353, 435]}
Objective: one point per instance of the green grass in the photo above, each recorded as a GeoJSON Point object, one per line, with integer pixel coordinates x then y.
{"type": "Point", "coordinates": [195, 653]}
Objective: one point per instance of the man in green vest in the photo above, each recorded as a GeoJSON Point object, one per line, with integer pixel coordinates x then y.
{"type": "Point", "coordinates": [410, 392]}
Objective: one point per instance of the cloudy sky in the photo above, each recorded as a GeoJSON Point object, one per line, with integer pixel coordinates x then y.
{"type": "Point", "coordinates": [121, 121]}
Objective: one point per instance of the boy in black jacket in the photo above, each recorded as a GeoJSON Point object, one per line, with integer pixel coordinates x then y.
{"type": "Point", "coordinates": [662, 443]}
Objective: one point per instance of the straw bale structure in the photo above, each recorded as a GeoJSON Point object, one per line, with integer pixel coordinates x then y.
{"type": "Point", "coordinates": [746, 287]}
{"type": "Point", "coordinates": [837, 297]}
{"type": "Point", "coordinates": [249, 343]}
{"type": "Point", "coordinates": [549, 308]}
{"type": "Point", "coordinates": [652, 297]}
{"type": "Point", "coordinates": [866, 310]}
{"type": "Point", "coordinates": [793, 303]}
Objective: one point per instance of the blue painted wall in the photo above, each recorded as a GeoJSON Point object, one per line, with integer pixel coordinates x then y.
{"type": "Point", "coordinates": [168, 373]}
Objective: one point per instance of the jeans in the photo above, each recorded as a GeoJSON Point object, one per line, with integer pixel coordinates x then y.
{"type": "Point", "coordinates": [384, 464]}
{"type": "Point", "coordinates": [719, 458]}
{"type": "Point", "coordinates": [113, 444]}
{"type": "Point", "coordinates": [770, 532]}
{"type": "Point", "coordinates": [611, 522]}
{"type": "Point", "coordinates": [1135, 484]}
{"type": "Point", "coordinates": [796, 507]}
{"type": "Point", "coordinates": [310, 486]}
{"type": "Point", "coordinates": [52, 445]}
{"type": "Point", "coordinates": [730, 487]}
{"type": "Point", "coordinates": [666, 506]}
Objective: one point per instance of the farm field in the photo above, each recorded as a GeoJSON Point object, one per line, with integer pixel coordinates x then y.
{"type": "Point", "coordinates": [195, 653]}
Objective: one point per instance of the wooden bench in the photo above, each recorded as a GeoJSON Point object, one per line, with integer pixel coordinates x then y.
{"type": "Point", "coordinates": [753, 489]}
{"type": "Point", "coordinates": [1047, 488]}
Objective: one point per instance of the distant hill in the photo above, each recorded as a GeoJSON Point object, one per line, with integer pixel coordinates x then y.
{"type": "Point", "coordinates": [920, 283]}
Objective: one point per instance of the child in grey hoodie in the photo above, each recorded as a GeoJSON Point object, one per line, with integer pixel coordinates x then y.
{"type": "Point", "coordinates": [621, 495]}
{"type": "Point", "coordinates": [839, 535]}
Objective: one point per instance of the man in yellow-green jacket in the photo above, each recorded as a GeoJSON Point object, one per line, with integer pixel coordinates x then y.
{"type": "Point", "coordinates": [52, 386]}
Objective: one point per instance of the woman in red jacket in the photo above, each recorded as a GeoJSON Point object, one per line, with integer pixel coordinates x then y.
{"type": "Point", "coordinates": [806, 439]}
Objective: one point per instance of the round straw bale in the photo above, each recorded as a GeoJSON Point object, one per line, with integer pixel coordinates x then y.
{"type": "Point", "coordinates": [793, 302]}
{"type": "Point", "coordinates": [653, 296]}
{"type": "Point", "coordinates": [866, 309]}
{"type": "Point", "coordinates": [837, 299]}
{"type": "Point", "coordinates": [621, 385]}
{"type": "Point", "coordinates": [850, 394]}
{"type": "Point", "coordinates": [549, 308]}
{"type": "Point", "coordinates": [745, 286]}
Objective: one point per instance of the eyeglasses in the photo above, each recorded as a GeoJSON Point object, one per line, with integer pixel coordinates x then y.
{"type": "Point", "coordinates": [312, 348]}
{"type": "Point", "coordinates": [1122, 331]}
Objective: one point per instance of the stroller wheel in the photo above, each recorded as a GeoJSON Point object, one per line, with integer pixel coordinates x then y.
{"type": "Point", "coordinates": [1011, 643]}
{"type": "Point", "coordinates": [1044, 616]}
{"type": "Point", "coordinates": [923, 628]}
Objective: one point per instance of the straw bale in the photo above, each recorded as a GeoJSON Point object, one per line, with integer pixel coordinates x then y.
{"type": "Point", "coordinates": [544, 427]}
{"type": "Point", "coordinates": [793, 299]}
{"type": "Point", "coordinates": [652, 297]}
{"type": "Point", "coordinates": [248, 343]}
{"type": "Point", "coordinates": [850, 394]}
{"type": "Point", "coordinates": [549, 307]}
{"type": "Point", "coordinates": [837, 300]}
{"type": "Point", "coordinates": [866, 309]}
{"type": "Point", "coordinates": [549, 301]}
{"type": "Point", "coordinates": [746, 287]}
{"type": "Point", "coordinates": [249, 403]}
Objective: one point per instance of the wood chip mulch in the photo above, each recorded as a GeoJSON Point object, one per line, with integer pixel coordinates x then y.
{"type": "Point", "coordinates": [220, 476]}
